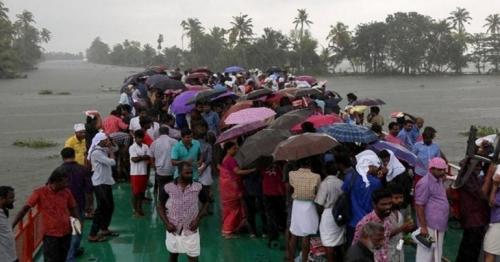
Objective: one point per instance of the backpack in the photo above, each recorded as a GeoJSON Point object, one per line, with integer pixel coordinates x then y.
{"type": "Point", "coordinates": [341, 210]}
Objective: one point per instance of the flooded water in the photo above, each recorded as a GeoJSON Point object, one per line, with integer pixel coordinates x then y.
{"type": "Point", "coordinates": [450, 104]}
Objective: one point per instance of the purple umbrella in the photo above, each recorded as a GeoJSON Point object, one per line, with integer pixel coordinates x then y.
{"type": "Point", "coordinates": [401, 152]}
{"type": "Point", "coordinates": [240, 130]}
{"type": "Point", "coordinates": [179, 105]}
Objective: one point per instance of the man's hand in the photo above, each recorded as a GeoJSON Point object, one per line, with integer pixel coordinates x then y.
{"type": "Point", "coordinates": [423, 231]}
{"type": "Point", "coordinates": [170, 228]}
{"type": "Point", "coordinates": [407, 226]}
{"type": "Point", "coordinates": [194, 224]}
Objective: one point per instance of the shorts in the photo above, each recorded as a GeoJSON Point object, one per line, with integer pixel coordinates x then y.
{"type": "Point", "coordinates": [139, 184]}
{"type": "Point", "coordinates": [182, 244]}
{"type": "Point", "coordinates": [491, 240]}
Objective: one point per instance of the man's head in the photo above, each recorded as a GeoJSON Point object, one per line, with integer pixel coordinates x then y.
{"type": "Point", "coordinates": [164, 130]}
{"type": "Point", "coordinates": [79, 131]}
{"type": "Point", "coordinates": [7, 197]}
{"type": "Point", "coordinates": [185, 171]}
{"type": "Point", "coordinates": [382, 202]}
{"type": "Point", "coordinates": [375, 110]}
{"type": "Point", "coordinates": [351, 97]}
{"type": "Point", "coordinates": [141, 111]}
{"type": "Point", "coordinates": [145, 122]}
{"type": "Point", "coordinates": [186, 136]}
{"type": "Point", "coordinates": [428, 135]}
{"type": "Point", "coordinates": [372, 235]}
{"type": "Point", "coordinates": [393, 128]}
{"type": "Point", "coordinates": [408, 125]}
{"type": "Point", "coordinates": [398, 196]}
{"type": "Point", "coordinates": [438, 167]}
{"type": "Point", "coordinates": [199, 106]}
{"type": "Point", "coordinates": [139, 136]}
{"type": "Point", "coordinates": [419, 122]}
{"type": "Point", "coordinates": [58, 180]}
{"type": "Point", "coordinates": [68, 154]}
{"type": "Point", "coordinates": [384, 156]}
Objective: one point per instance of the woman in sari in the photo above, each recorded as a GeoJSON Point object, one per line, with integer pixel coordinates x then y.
{"type": "Point", "coordinates": [231, 191]}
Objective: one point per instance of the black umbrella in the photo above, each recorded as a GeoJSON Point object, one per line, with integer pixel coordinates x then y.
{"type": "Point", "coordinates": [307, 92]}
{"type": "Point", "coordinates": [205, 96]}
{"type": "Point", "coordinates": [258, 93]}
{"type": "Point", "coordinates": [169, 84]}
{"type": "Point", "coordinates": [273, 70]}
{"type": "Point", "coordinates": [290, 119]}
{"type": "Point", "coordinates": [260, 144]}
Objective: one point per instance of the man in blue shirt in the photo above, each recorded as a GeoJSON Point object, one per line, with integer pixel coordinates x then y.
{"type": "Point", "coordinates": [186, 150]}
{"type": "Point", "coordinates": [359, 194]}
{"type": "Point", "coordinates": [425, 151]}
{"type": "Point", "coordinates": [406, 134]}
{"type": "Point", "coordinates": [212, 119]}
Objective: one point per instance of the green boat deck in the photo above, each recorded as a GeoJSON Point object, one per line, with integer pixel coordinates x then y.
{"type": "Point", "coordinates": [143, 239]}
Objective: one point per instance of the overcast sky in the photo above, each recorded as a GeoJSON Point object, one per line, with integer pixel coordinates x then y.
{"type": "Point", "coordinates": [75, 23]}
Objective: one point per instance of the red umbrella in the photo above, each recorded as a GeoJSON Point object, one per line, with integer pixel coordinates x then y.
{"type": "Point", "coordinates": [319, 121]}
{"type": "Point", "coordinates": [240, 130]}
{"type": "Point", "coordinates": [309, 79]}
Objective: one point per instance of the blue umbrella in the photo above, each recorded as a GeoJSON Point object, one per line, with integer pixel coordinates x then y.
{"type": "Point", "coordinates": [350, 133]}
{"type": "Point", "coordinates": [401, 152]}
{"type": "Point", "coordinates": [180, 106]}
{"type": "Point", "coordinates": [234, 69]}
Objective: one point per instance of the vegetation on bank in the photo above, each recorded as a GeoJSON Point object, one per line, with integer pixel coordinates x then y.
{"type": "Point", "coordinates": [20, 43]}
{"type": "Point", "coordinates": [36, 143]}
{"type": "Point", "coordinates": [62, 56]}
{"type": "Point", "coordinates": [50, 92]}
{"type": "Point", "coordinates": [483, 131]}
{"type": "Point", "coordinates": [404, 43]}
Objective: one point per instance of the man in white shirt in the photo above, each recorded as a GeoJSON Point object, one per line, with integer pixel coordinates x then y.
{"type": "Point", "coordinates": [160, 151]}
{"type": "Point", "coordinates": [139, 160]}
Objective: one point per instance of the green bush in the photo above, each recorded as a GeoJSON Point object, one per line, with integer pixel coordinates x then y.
{"type": "Point", "coordinates": [45, 92]}
{"type": "Point", "coordinates": [34, 143]}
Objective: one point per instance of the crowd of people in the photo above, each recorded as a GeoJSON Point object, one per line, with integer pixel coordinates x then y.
{"type": "Point", "coordinates": [350, 203]}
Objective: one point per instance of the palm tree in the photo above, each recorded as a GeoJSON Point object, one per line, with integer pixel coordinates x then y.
{"type": "Point", "coordinates": [160, 41]}
{"type": "Point", "coordinates": [3, 11]}
{"type": "Point", "coordinates": [459, 18]}
{"type": "Point", "coordinates": [45, 35]}
{"type": "Point", "coordinates": [193, 29]}
{"type": "Point", "coordinates": [339, 35]}
{"type": "Point", "coordinates": [301, 20]}
{"type": "Point", "coordinates": [493, 24]}
{"type": "Point", "coordinates": [241, 30]}
{"type": "Point", "coordinates": [25, 18]}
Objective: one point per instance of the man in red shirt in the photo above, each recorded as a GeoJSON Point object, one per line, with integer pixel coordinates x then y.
{"type": "Point", "coordinates": [273, 188]}
{"type": "Point", "coordinates": [56, 204]}
{"type": "Point", "coordinates": [392, 137]}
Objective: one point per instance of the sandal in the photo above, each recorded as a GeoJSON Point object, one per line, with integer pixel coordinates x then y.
{"type": "Point", "coordinates": [110, 234]}
{"type": "Point", "coordinates": [96, 239]}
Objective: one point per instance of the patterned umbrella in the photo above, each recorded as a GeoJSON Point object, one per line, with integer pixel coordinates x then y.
{"type": "Point", "coordinates": [249, 115]}
{"type": "Point", "coordinates": [368, 102]}
{"type": "Point", "coordinates": [180, 106]}
{"type": "Point", "coordinates": [240, 130]}
{"type": "Point", "coordinates": [303, 145]}
{"type": "Point", "coordinates": [401, 152]}
{"type": "Point", "coordinates": [261, 144]}
{"type": "Point", "coordinates": [350, 133]}
{"type": "Point", "coordinates": [319, 121]}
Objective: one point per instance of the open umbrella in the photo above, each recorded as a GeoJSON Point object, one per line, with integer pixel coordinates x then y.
{"type": "Point", "coordinates": [290, 91]}
{"type": "Point", "coordinates": [205, 96]}
{"type": "Point", "coordinates": [303, 145]}
{"type": "Point", "coordinates": [401, 152]}
{"type": "Point", "coordinates": [234, 69]}
{"type": "Point", "coordinates": [151, 80]}
{"type": "Point", "coordinates": [259, 93]}
{"type": "Point", "coordinates": [350, 133]}
{"type": "Point", "coordinates": [239, 130]}
{"type": "Point", "coordinates": [235, 108]}
{"type": "Point", "coordinates": [290, 119]}
{"type": "Point", "coordinates": [273, 70]}
{"type": "Point", "coordinates": [368, 102]}
{"type": "Point", "coordinates": [307, 92]}
{"type": "Point", "coordinates": [226, 94]}
{"type": "Point", "coordinates": [249, 115]}
{"type": "Point", "coordinates": [168, 84]}
{"type": "Point", "coordinates": [260, 144]}
{"type": "Point", "coordinates": [180, 106]}
{"type": "Point", "coordinates": [202, 70]}
{"type": "Point", "coordinates": [197, 75]}
{"type": "Point", "coordinates": [309, 79]}
{"type": "Point", "coordinates": [319, 121]}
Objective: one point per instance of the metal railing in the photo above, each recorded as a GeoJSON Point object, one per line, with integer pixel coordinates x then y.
{"type": "Point", "coordinates": [29, 235]}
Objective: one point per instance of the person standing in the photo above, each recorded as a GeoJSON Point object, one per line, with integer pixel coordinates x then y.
{"type": "Point", "coordinates": [425, 151]}
{"type": "Point", "coordinates": [371, 238]}
{"type": "Point", "coordinates": [7, 241]}
{"type": "Point", "coordinates": [187, 149]}
{"type": "Point", "coordinates": [78, 143]}
{"type": "Point", "coordinates": [139, 160]}
{"type": "Point", "coordinates": [491, 244]}
{"type": "Point", "coordinates": [304, 223]}
{"type": "Point", "coordinates": [398, 225]}
{"type": "Point", "coordinates": [374, 116]}
{"type": "Point", "coordinates": [179, 210]}
{"type": "Point", "coordinates": [211, 118]}
{"type": "Point", "coordinates": [405, 134]}
{"type": "Point", "coordinates": [79, 185]}
{"type": "Point", "coordinates": [432, 208]}
{"type": "Point", "coordinates": [56, 204]}
{"type": "Point", "coordinates": [332, 235]}
{"type": "Point", "coordinates": [392, 136]}
{"type": "Point", "coordinates": [102, 159]}
{"type": "Point", "coordinates": [273, 189]}
{"type": "Point", "coordinates": [161, 149]}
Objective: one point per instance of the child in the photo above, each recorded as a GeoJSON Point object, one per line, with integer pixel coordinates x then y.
{"type": "Point", "coordinates": [398, 224]}
{"type": "Point", "coordinates": [139, 160]}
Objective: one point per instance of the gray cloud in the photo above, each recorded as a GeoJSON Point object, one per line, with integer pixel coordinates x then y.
{"type": "Point", "coordinates": [75, 23]}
